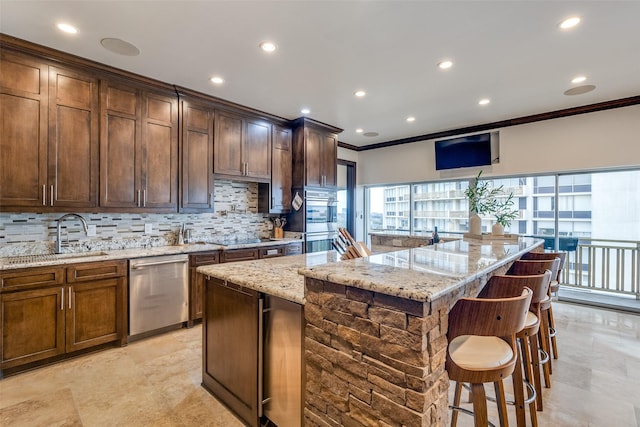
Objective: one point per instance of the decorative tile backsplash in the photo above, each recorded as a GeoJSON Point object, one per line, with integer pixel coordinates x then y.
{"type": "Point", "coordinates": [235, 217]}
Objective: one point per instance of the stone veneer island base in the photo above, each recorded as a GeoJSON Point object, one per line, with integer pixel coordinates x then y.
{"type": "Point", "coordinates": [375, 328]}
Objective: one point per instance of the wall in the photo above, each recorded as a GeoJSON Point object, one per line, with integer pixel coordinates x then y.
{"type": "Point", "coordinates": [600, 140]}
{"type": "Point", "coordinates": [29, 233]}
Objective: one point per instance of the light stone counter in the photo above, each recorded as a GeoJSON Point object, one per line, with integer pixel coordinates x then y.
{"type": "Point", "coordinates": [274, 276]}
{"type": "Point", "coordinates": [425, 273]}
{"type": "Point", "coordinates": [40, 260]}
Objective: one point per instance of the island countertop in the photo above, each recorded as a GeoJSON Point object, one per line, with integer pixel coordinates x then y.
{"type": "Point", "coordinates": [425, 273]}
{"type": "Point", "coordinates": [420, 274]}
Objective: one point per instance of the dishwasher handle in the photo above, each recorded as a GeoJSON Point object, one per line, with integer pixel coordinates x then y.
{"type": "Point", "coordinates": [149, 264]}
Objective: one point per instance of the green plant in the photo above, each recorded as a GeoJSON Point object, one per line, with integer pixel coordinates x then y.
{"type": "Point", "coordinates": [504, 211]}
{"type": "Point", "coordinates": [482, 198]}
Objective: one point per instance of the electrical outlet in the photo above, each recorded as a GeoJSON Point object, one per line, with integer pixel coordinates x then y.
{"type": "Point", "coordinates": [148, 228]}
{"type": "Point", "coordinates": [91, 230]}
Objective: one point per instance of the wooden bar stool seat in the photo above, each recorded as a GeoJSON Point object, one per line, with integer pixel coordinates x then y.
{"type": "Point", "coordinates": [482, 349]}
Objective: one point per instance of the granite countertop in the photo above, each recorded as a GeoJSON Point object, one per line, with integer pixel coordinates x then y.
{"type": "Point", "coordinates": [37, 260]}
{"type": "Point", "coordinates": [426, 273]}
{"type": "Point", "coordinates": [274, 276]}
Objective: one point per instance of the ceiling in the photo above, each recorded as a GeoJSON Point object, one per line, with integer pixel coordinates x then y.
{"type": "Point", "coordinates": [512, 52]}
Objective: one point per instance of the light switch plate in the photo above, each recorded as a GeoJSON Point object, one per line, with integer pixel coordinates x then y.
{"type": "Point", "coordinates": [148, 228]}
{"type": "Point", "coordinates": [91, 230]}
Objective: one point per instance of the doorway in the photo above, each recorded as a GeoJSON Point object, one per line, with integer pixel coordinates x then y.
{"type": "Point", "coordinates": [346, 195]}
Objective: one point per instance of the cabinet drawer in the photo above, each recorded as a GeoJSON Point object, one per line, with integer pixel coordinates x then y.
{"type": "Point", "coordinates": [26, 278]}
{"type": "Point", "coordinates": [204, 258]}
{"type": "Point", "coordinates": [233, 255]}
{"type": "Point", "coordinates": [96, 270]}
{"type": "Point", "coordinates": [272, 252]}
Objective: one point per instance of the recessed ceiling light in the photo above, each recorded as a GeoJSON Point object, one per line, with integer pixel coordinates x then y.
{"type": "Point", "coordinates": [371, 134]}
{"type": "Point", "coordinates": [579, 90]}
{"type": "Point", "coordinates": [359, 130]}
{"type": "Point", "coordinates": [120, 47]}
{"type": "Point", "coordinates": [359, 93]}
{"type": "Point", "coordinates": [305, 111]}
{"type": "Point", "coordinates": [67, 28]}
{"type": "Point", "coordinates": [445, 64]}
{"type": "Point", "coordinates": [411, 119]}
{"type": "Point", "coordinates": [217, 80]}
{"type": "Point", "coordinates": [569, 23]}
{"type": "Point", "coordinates": [484, 101]}
{"type": "Point", "coordinates": [268, 46]}
{"type": "Point", "coordinates": [578, 79]}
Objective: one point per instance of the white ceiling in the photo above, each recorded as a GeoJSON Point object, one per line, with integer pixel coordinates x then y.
{"type": "Point", "coordinates": [509, 51]}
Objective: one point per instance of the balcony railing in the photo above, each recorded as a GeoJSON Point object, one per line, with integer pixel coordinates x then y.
{"type": "Point", "coordinates": [602, 265]}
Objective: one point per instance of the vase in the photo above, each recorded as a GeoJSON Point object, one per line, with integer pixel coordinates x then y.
{"type": "Point", "coordinates": [475, 224]}
{"type": "Point", "coordinates": [497, 229]}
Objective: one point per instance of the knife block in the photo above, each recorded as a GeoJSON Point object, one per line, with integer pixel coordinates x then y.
{"type": "Point", "coordinates": [278, 233]}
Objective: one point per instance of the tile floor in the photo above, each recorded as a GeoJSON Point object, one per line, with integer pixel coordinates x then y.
{"type": "Point", "coordinates": [156, 382]}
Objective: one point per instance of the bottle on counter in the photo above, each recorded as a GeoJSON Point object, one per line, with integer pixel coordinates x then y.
{"type": "Point", "coordinates": [434, 236]}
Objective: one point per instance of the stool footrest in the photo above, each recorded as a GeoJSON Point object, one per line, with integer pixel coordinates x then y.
{"type": "Point", "coordinates": [468, 412]}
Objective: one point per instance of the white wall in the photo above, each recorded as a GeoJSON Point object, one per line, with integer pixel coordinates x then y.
{"type": "Point", "coordinates": [600, 140]}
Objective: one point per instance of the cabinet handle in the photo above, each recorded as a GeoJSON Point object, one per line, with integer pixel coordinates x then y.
{"type": "Point", "coordinates": [260, 354]}
{"type": "Point", "coordinates": [138, 201]}
{"type": "Point", "coordinates": [62, 301]}
{"type": "Point", "coordinates": [44, 195]}
{"type": "Point", "coordinates": [144, 198]}
{"type": "Point", "coordinates": [69, 297]}
{"type": "Point", "coordinates": [51, 200]}
{"type": "Point", "coordinates": [210, 199]}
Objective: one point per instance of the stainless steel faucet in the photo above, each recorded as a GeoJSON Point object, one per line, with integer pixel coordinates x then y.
{"type": "Point", "coordinates": [62, 218]}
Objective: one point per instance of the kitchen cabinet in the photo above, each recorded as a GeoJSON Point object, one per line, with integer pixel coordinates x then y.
{"type": "Point", "coordinates": [315, 154]}
{"type": "Point", "coordinates": [49, 136]}
{"type": "Point", "coordinates": [138, 148]}
{"type": "Point", "coordinates": [245, 254]}
{"type": "Point", "coordinates": [196, 282]}
{"type": "Point", "coordinates": [275, 198]}
{"type": "Point", "coordinates": [52, 311]}
{"type": "Point", "coordinates": [232, 354]}
{"type": "Point", "coordinates": [242, 147]}
{"type": "Point", "coordinates": [196, 157]}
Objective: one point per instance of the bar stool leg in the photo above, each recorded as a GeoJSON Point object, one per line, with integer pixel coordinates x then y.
{"type": "Point", "coordinates": [519, 394]}
{"type": "Point", "coordinates": [545, 344]}
{"type": "Point", "coordinates": [552, 328]}
{"type": "Point", "coordinates": [456, 403]}
{"type": "Point", "coordinates": [535, 363]}
{"type": "Point", "coordinates": [481, 418]}
{"type": "Point", "coordinates": [502, 404]}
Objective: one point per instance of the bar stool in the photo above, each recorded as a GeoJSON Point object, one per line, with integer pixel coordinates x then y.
{"type": "Point", "coordinates": [530, 267]}
{"type": "Point", "coordinates": [482, 349]}
{"type": "Point", "coordinates": [553, 290]}
{"type": "Point", "coordinates": [500, 286]}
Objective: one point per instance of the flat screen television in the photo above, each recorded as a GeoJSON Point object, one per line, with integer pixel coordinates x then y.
{"type": "Point", "coordinates": [463, 152]}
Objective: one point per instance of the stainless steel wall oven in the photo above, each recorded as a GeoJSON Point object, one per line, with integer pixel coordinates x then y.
{"type": "Point", "coordinates": [321, 219]}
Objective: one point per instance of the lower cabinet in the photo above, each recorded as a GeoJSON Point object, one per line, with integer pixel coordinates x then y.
{"type": "Point", "coordinates": [253, 353]}
{"type": "Point", "coordinates": [231, 359]}
{"type": "Point", "coordinates": [46, 313]}
{"type": "Point", "coordinates": [196, 282]}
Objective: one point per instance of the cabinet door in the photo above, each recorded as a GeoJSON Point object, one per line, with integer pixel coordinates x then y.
{"type": "Point", "coordinates": [329, 160]}
{"type": "Point", "coordinates": [32, 326]}
{"type": "Point", "coordinates": [94, 313]}
{"type": "Point", "coordinates": [230, 365]}
{"type": "Point", "coordinates": [159, 168]}
{"type": "Point", "coordinates": [281, 170]}
{"type": "Point", "coordinates": [120, 146]}
{"type": "Point", "coordinates": [23, 131]}
{"type": "Point", "coordinates": [313, 157]}
{"type": "Point", "coordinates": [73, 139]}
{"type": "Point", "coordinates": [197, 158]}
{"type": "Point", "coordinates": [227, 147]}
{"type": "Point", "coordinates": [257, 150]}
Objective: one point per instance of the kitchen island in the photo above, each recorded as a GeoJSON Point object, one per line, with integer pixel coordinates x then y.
{"type": "Point", "coordinates": [375, 327]}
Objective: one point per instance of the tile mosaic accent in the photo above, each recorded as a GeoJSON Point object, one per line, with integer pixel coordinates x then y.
{"type": "Point", "coordinates": [236, 216]}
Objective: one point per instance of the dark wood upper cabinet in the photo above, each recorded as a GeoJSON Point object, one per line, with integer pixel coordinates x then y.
{"type": "Point", "coordinates": [196, 157]}
{"type": "Point", "coordinates": [49, 136]}
{"type": "Point", "coordinates": [315, 151]}
{"type": "Point", "coordinates": [242, 147]}
{"type": "Point", "coordinates": [138, 149]}
{"type": "Point", "coordinates": [276, 197]}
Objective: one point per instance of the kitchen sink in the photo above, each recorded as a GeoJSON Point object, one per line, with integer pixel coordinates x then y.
{"type": "Point", "coordinates": [23, 259]}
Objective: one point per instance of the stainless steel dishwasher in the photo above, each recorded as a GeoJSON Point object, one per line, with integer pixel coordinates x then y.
{"type": "Point", "coordinates": [158, 293]}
